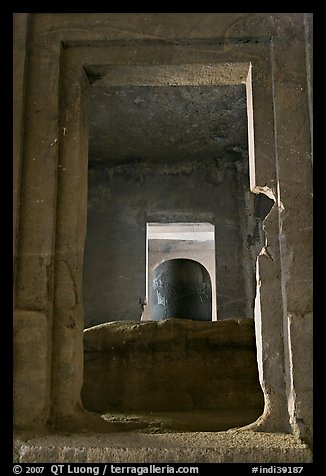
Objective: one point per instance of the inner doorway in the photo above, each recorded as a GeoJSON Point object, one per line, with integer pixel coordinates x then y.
{"type": "Point", "coordinates": [180, 271]}
{"type": "Point", "coordinates": [175, 166]}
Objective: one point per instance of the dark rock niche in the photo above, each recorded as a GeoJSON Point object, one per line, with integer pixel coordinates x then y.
{"type": "Point", "coordinates": [181, 289]}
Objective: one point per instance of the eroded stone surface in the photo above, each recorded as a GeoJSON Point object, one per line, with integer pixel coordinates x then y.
{"type": "Point", "coordinates": [30, 369]}
{"type": "Point", "coordinates": [223, 447]}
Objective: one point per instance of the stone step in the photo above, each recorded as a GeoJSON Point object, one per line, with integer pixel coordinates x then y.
{"type": "Point", "coordinates": [233, 446]}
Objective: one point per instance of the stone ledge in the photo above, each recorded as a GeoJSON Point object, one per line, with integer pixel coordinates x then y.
{"type": "Point", "coordinates": [174, 365]}
{"type": "Point", "coordinates": [234, 446]}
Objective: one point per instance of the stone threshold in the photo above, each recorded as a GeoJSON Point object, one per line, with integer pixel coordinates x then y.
{"type": "Point", "coordinates": [232, 446]}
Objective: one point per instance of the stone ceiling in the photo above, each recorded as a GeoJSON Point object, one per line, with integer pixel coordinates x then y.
{"type": "Point", "coordinates": [166, 124]}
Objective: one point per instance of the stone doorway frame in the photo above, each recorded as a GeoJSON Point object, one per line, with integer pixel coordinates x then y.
{"type": "Point", "coordinates": [51, 221]}
{"type": "Point", "coordinates": [192, 254]}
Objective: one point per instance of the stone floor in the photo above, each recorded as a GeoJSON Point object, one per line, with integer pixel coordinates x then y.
{"type": "Point", "coordinates": [232, 446]}
{"type": "Point", "coordinates": [186, 421]}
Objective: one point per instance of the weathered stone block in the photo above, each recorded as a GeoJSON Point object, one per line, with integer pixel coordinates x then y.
{"type": "Point", "coordinates": [30, 368]}
{"type": "Point", "coordinates": [171, 365]}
